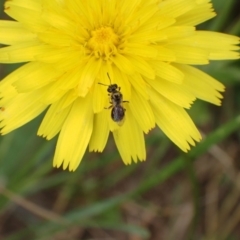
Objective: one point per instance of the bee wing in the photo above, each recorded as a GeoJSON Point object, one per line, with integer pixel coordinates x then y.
{"type": "Point", "coordinates": [120, 123]}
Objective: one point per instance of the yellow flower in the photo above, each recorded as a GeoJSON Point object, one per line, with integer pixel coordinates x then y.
{"type": "Point", "coordinates": [146, 47]}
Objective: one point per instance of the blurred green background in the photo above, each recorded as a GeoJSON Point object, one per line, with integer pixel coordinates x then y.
{"type": "Point", "coordinates": [170, 196]}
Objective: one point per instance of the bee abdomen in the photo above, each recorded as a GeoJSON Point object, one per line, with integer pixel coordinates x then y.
{"type": "Point", "coordinates": [118, 113]}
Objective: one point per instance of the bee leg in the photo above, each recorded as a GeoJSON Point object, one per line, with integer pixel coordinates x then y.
{"type": "Point", "coordinates": [126, 101]}
{"type": "Point", "coordinates": [109, 107]}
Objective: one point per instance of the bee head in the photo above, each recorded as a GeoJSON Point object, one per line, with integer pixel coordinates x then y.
{"type": "Point", "coordinates": [112, 88]}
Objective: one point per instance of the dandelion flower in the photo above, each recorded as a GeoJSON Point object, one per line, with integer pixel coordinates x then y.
{"type": "Point", "coordinates": [147, 47]}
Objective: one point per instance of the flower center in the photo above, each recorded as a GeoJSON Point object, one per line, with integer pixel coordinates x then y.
{"type": "Point", "coordinates": [103, 42]}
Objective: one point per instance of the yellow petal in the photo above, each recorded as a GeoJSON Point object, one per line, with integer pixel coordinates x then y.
{"type": "Point", "coordinates": [123, 82]}
{"type": "Point", "coordinates": [14, 33]}
{"type": "Point", "coordinates": [7, 94]}
{"type": "Point", "coordinates": [71, 78]}
{"type": "Point", "coordinates": [142, 112]}
{"type": "Point", "coordinates": [201, 84]}
{"type": "Point", "coordinates": [139, 85]}
{"type": "Point", "coordinates": [88, 75]}
{"type": "Point", "coordinates": [36, 76]}
{"type": "Point", "coordinates": [128, 7]}
{"type": "Point", "coordinates": [52, 93]}
{"type": "Point", "coordinates": [75, 135]}
{"type": "Point", "coordinates": [21, 12]}
{"type": "Point", "coordinates": [100, 94]}
{"type": "Point", "coordinates": [222, 55]}
{"type": "Point", "coordinates": [176, 93]}
{"type": "Point", "coordinates": [130, 140]}
{"type": "Point", "coordinates": [15, 75]}
{"type": "Point", "coordinates": [140, 50]}
{"type": "Point", "coordinates": [53, 120]}
{"type": "Point", "coordinates": [68, 99]}
{"type": "Point", "coordinates": [178, 32]}
{"type": "Point", "coordinates": [123, 64]}
{"type": "Point", "coordinates": [100, 125]}
{"type": "Point", "coordinates": [165, 54]}
{"type": "Point", "coordinates": [147, 36]}
{"type": "Point", "coordinates": [68, 61]}
{"type": "Point", "coordinates": [219, 40]}
{"type": "Point", "coordinates": [157, 22]}
{"type": "Point", "coordinates": [55, 38]}
{"type": "Point", "coordinates": [167, 72]}
{"type": "Point", "coordinates": [66, 56]}
{"type": "Point", "coordinates": [24, 108]}
{"type": "Point", "coordinates": [142, 67]}
{"type": "Point", "coordinates": [100, 98]}
{"type": "Point", "coordinates": [143, 14]}
{"type": "Point", "coordinates": [28, 4]}
{"type": "Point", "coordinates": [194, 55]}
{"type": "Point", "coordinates": [201, 13]}
{"type": "Point", "coordinates": [176, 8]}
{"type": "Point", "coordinates": [174, 122]}
{"type": "Point", "coordinates": [22, 52]}
{"type": "Point", "coordinates": [59, 21]}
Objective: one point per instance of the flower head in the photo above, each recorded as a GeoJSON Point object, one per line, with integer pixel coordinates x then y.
{"type": "Point", "coordinates": [146, 47]}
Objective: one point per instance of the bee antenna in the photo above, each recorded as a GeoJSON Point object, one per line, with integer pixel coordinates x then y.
{"type": "Point", "coordinates": [103, 84]}
{"type": "Point", "coordinates": [109, 78]}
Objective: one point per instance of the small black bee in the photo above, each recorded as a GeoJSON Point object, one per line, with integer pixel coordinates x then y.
{"type": "Point", "coordinates": [116, 100]}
